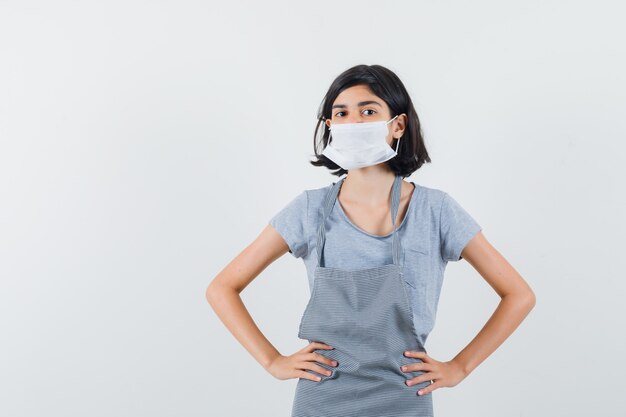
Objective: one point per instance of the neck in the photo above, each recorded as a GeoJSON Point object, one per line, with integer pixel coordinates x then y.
{"type": "Point", "coordinates": [368, 185]}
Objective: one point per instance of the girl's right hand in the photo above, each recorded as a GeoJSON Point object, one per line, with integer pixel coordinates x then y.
{"type": "Point", "coordinates": [293, 366]}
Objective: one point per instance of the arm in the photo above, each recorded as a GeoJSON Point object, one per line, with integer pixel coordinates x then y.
{"type": "Point", "coordinates": [517, 300]}
{"type": "Point", "coordinates": [223, 296]}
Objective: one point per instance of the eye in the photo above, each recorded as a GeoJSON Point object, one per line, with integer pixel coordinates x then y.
{"type": "Point", "coordinates": [372, 110]}
{"type": "Point", "coordinates": [338, 113]}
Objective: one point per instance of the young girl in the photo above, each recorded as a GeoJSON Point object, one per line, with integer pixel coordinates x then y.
{"type": "Point", "coordinates": [375, 248]}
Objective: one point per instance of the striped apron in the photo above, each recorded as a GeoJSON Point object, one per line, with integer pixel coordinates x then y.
{"type": "Point", "coordinates": [366, 315]}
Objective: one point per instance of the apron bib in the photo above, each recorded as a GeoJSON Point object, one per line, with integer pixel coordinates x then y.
{"type": "Point", "coordinates": [366, 315]}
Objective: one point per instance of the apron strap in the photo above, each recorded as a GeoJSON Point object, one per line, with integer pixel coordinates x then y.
{"type": "Point", "coordinates": [329, 202]}
{"type": "Point", "coordinates": [395, 205]}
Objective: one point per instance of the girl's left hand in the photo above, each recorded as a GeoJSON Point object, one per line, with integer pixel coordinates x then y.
{"type": "Point", "coordinates": [443, 374]}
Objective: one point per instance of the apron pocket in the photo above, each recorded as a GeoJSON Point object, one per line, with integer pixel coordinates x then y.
{"type": "Point", "coordinates": [420, 284]}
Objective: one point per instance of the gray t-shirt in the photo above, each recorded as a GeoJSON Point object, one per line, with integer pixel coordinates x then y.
{"type": "Point", "coordinates": [433, 232]}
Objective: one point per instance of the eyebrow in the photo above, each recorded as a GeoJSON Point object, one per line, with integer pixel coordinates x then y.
{"type": "Point", "coordinates": [361, 103]}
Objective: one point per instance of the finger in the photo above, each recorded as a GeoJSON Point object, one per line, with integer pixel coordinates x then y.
{"type": "Point", "coordinates": [315, 367]}
{"type": "Point", "coordinates": [430, 388]}
{"type": "Point", "coordinates": [418, 366]}
{"type": "Point", "coordinates": [417, 354]}
{"type": "Point", "coordinates": [421, 378]}
{"type": "Point", "coordinates": [309, 376]}
{"type": "Point", "coordinates": [317, 345]}
{"type": "Point", "coordinates": [322, 345]}
{"type": "Point", "coordinates": [318, 357]}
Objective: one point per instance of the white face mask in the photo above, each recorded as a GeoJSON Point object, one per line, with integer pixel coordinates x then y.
{"type": "Point", "coordinates": [357, 145]}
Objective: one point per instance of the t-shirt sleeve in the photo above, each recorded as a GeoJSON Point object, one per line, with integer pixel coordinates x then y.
{"type": "Point", "coordinates": [292, 224]}
{"type": "Point", "coordinates": [457, 228]}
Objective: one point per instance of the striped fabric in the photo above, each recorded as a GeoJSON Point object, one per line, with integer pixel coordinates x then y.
{"type": "Point", "coordinates": [365, 314]}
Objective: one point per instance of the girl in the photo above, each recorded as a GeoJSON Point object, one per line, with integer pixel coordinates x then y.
{"type": "Point", "coordinates": [375, 248]}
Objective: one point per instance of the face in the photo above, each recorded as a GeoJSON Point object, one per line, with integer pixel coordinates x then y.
{"type": "Point", "coordinates": [358, 104]}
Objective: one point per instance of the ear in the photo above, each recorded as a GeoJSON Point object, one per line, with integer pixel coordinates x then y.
{"type": "Point", "coordinates": [400, 126]}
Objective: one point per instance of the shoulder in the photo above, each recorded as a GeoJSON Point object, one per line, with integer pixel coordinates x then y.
{"type": "Point", "coordinates": [431, 197]}
{"type": "Point", "coordinates": [316, 196]}
{"type": "Point", "coordinates": [437, 205]}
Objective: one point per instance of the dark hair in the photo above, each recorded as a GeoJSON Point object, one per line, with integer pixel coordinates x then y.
{"type": "Point", "coordinates": [385, 84]}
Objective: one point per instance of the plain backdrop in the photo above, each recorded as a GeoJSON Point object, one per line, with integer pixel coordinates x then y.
{"type": "Point", "coordinates": [144, 144]}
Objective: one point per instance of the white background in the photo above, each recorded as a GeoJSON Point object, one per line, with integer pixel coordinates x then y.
{"type": "Point", "coordinates": [143, 145]}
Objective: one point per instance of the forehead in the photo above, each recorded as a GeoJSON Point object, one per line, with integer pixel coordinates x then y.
{"type": "Point", "coordinates": [358, 95]}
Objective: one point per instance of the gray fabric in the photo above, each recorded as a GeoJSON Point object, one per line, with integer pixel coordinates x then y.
{"type": "Point", "coordinates": [433, 232]}
{"type": "Point", "coordinates": [366, 316]}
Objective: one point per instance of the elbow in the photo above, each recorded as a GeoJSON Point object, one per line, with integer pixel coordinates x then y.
{"type": "Point", "coordinates": [524, 300]}
{"type": "Point", "coordinates": [217, 291]}
{"type": "Point", "coordinates": [530, 300]}
{"type": "Point", "coordinates": [209, 293]}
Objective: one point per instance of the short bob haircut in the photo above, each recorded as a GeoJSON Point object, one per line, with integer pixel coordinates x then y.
{"type": "Point", "coordinates": [385, 84]}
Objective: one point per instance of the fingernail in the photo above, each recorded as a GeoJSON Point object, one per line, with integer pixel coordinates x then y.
{"type": "Point", "coordinates": [334, 363]}
{"type": "Point", "coordinates": [420, 392]}
{"type": "Point", "coordinates": [403, 368]}
{"type": "Point", "coordinates": [406, 353]}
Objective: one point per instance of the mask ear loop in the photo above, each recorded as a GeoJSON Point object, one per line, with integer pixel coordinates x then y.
{"type": "Point", "coordinates": [393, 118]}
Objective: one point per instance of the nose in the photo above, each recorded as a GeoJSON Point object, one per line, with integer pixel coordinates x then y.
{"type": "Point", "coordinates": [354, 119]}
